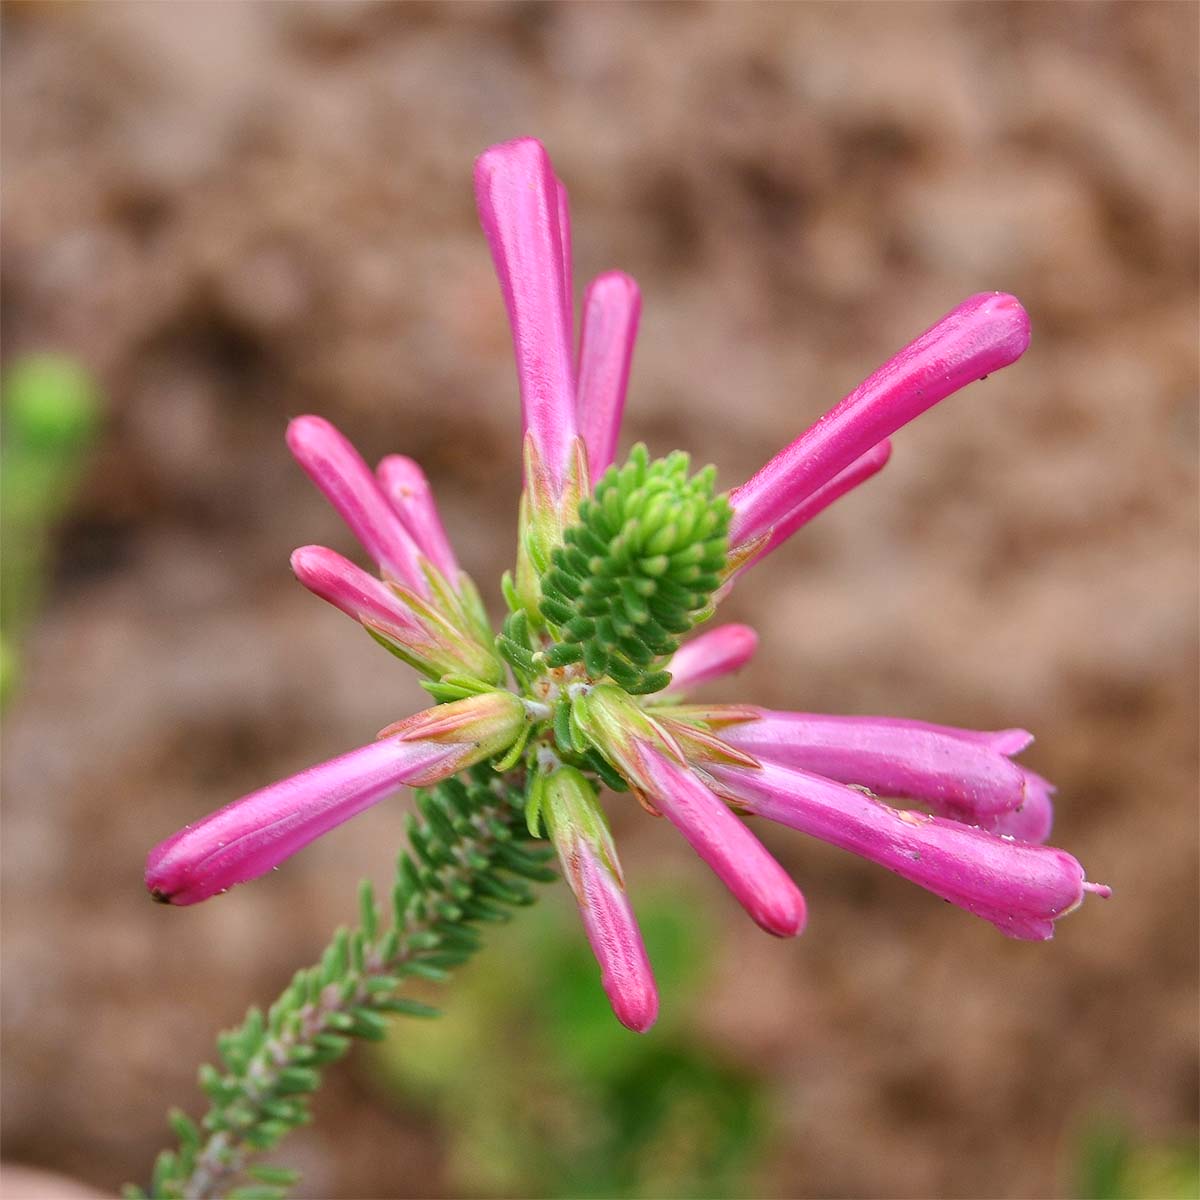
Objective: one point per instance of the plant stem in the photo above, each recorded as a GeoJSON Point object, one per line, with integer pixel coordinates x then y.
{"type": "Point", "coordinates": [470, 860]}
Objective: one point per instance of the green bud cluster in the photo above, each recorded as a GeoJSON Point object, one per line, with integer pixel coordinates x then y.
{"type": "Point", "coordinates": [638, 570]}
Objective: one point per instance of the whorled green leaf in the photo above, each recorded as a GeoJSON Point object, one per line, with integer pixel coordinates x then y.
{"type": "Point", "coordinates": [638, 570]}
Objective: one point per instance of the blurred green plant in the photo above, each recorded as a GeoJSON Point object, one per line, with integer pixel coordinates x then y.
{"type": "Point", "coordinates": [1112, 1164]}
{"type": "Point", "coordinates": [570, 1104]}
{"type": "Point", "coordinates": [50, 412]}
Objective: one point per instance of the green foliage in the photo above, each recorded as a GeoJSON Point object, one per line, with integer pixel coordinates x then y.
{"type": "Point", "coordinates": [571, 1105]}
{"type": "Point", "coordinates": [51, 411]}
{"type": "Point", "coordinates": [638, 570]}
{"type": "Point", "coordinates": [469, 862]}
{"type": "Point", "coordinates": [50, 405]}
{"type": "Point", "coordinates": [1113, 1165]}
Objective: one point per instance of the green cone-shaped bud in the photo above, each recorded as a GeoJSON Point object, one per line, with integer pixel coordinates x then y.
{"type": "Point", "coordinates": [637, 570]}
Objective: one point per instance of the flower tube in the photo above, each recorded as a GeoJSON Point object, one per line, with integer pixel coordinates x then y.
{"type": "Point", "coordinates": [1004, 741]}
{"type": "Point", "coordinates": [580, 833]}
{"type": "Point", "coordinates": [404, 484]}
{"type": "Point", "coordinates": [423, 637]}
{"type": "Point", "coordinates": [520, 208]}
{"type": "Point", "coordinates": [983, 334]}
{"type": "Point", "coordinates": [565, 264]}
{"type": "Point", "coordinates": [338, 470]}
{"type": "Point", "coordinates": [741, 862]}
{"type": "Point", "coordinates": [1033, 821]}
{"type": "Point", "coordinates": [612, 307]}
{"type": "Point", "coordinates": [653, 763]}
{"type": "Point", "coordinates": [351, 590]}
{"type": "Point", "coordinates": [717, 652]}
{"type": "Point", "coordinates": [250, 836]}
{"type": "Point", "coordinates": [962, 779]}
{"type": "Point", "coordinates": [1020, 888]}
{"type": "Point", "coordinates": [857, 473]}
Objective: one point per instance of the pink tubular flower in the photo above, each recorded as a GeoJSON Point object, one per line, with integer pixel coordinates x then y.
{"type": "Point", "coordinates": [966, 780]}
{"type": "Point", "coordinates": [717, 652]}
{"type": "Point", "coordinates": [252, 835]}
{"type": "Point", "coordinates": [404, 484]}
{"type": "Point", "coordinates": [521, 210]}
{"type": "Point", "coordinates": [1021, 888]}
{"type": "Point", "coordinates": [611, 310]}
{"type": "Point", "coordinates": [857, 473]}
{"type": "Point", "coordinates": [654, 764]}
{"type": "Point", "coordinates": [613, 568]}
{"type": "Point", "coordinates": [741, 862]}
{"type": "Point", "coordinates": [580, 833]}
{"type": "Point", "coordinates": [425, 638]}
{"type": "Point", "coordinates": [981, 335]}
{"type": "Point", "coordinates": [349, 588]}
{"type": "Point", "coordinates": [340, 473]}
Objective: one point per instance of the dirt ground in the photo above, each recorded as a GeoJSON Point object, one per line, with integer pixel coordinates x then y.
{"type": "Point", "coordinates": [234, 213]}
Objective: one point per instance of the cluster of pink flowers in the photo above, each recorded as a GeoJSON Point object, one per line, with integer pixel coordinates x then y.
{"type": "Point", "coordinates": [702, 767]}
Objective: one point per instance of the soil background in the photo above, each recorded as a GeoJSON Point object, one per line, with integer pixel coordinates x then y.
{"type": "Point", "coordinates": [235, 213]}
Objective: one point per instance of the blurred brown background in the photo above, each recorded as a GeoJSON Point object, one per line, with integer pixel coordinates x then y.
{"type": "Point", "coordinates": [234, 213]}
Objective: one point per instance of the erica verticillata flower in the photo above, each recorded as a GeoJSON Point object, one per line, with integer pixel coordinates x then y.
{"type": "Point", "coordinates": [247, 838]}
{"type": "Point", "coordinates": [565, 801]}
{"type": "Point", "coordinates": [583, 688]}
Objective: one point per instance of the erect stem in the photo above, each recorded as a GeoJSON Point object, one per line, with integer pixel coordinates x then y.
{"type": "Point", "coordinates": [469, 860]}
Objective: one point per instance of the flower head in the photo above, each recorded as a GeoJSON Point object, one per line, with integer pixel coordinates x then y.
{"type": "Point", "coordinates": [615, 566]}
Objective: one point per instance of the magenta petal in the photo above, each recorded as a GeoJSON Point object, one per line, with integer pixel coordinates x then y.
{"type": "Point", "coordinates": [517, 195]}
{"type": "Point", "coordinates": [616, 941]}
{"type": "Point", "coordinates": [333, 464]}
{"type": "Point", "coordinates": [349, 588]}
{"type": "Point", "coordinates": [962, 779]}
{"type": "Point", "coordinates": [1004, 741]}
{"type": "Point", "coordinates": [857, 473]}
{"type": "Point", "coordinates": [1033, 821]}
{"type": "Point", "coordinates": [717, 652]}
{"type": "Point", "coordinates": [565, 264]}
{"type": "Point", "coordinates": [1021, 888]}
{"type": "Point", "coordinates": [404, 484]}
{"type": "Point", "coordinates": [247, 838]}
{"type": "Point", "coordinates": [981, 335]}
{"type": "Point", "coordinates": [565, 804]}
{"type": "Point", "coordinates": [612, 307]}
{"type": "Point", "coordinates": [736, 856]}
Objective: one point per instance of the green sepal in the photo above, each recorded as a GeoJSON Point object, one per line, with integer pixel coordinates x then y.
{"type": "Point", "coordinates": [534, 794]}
{"type": "Point", "coordinates": [562, 727]}
{"type": "Point", "coordinates": [509, 590]}
{"type": "Point", "coordinates": [513, 755]}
